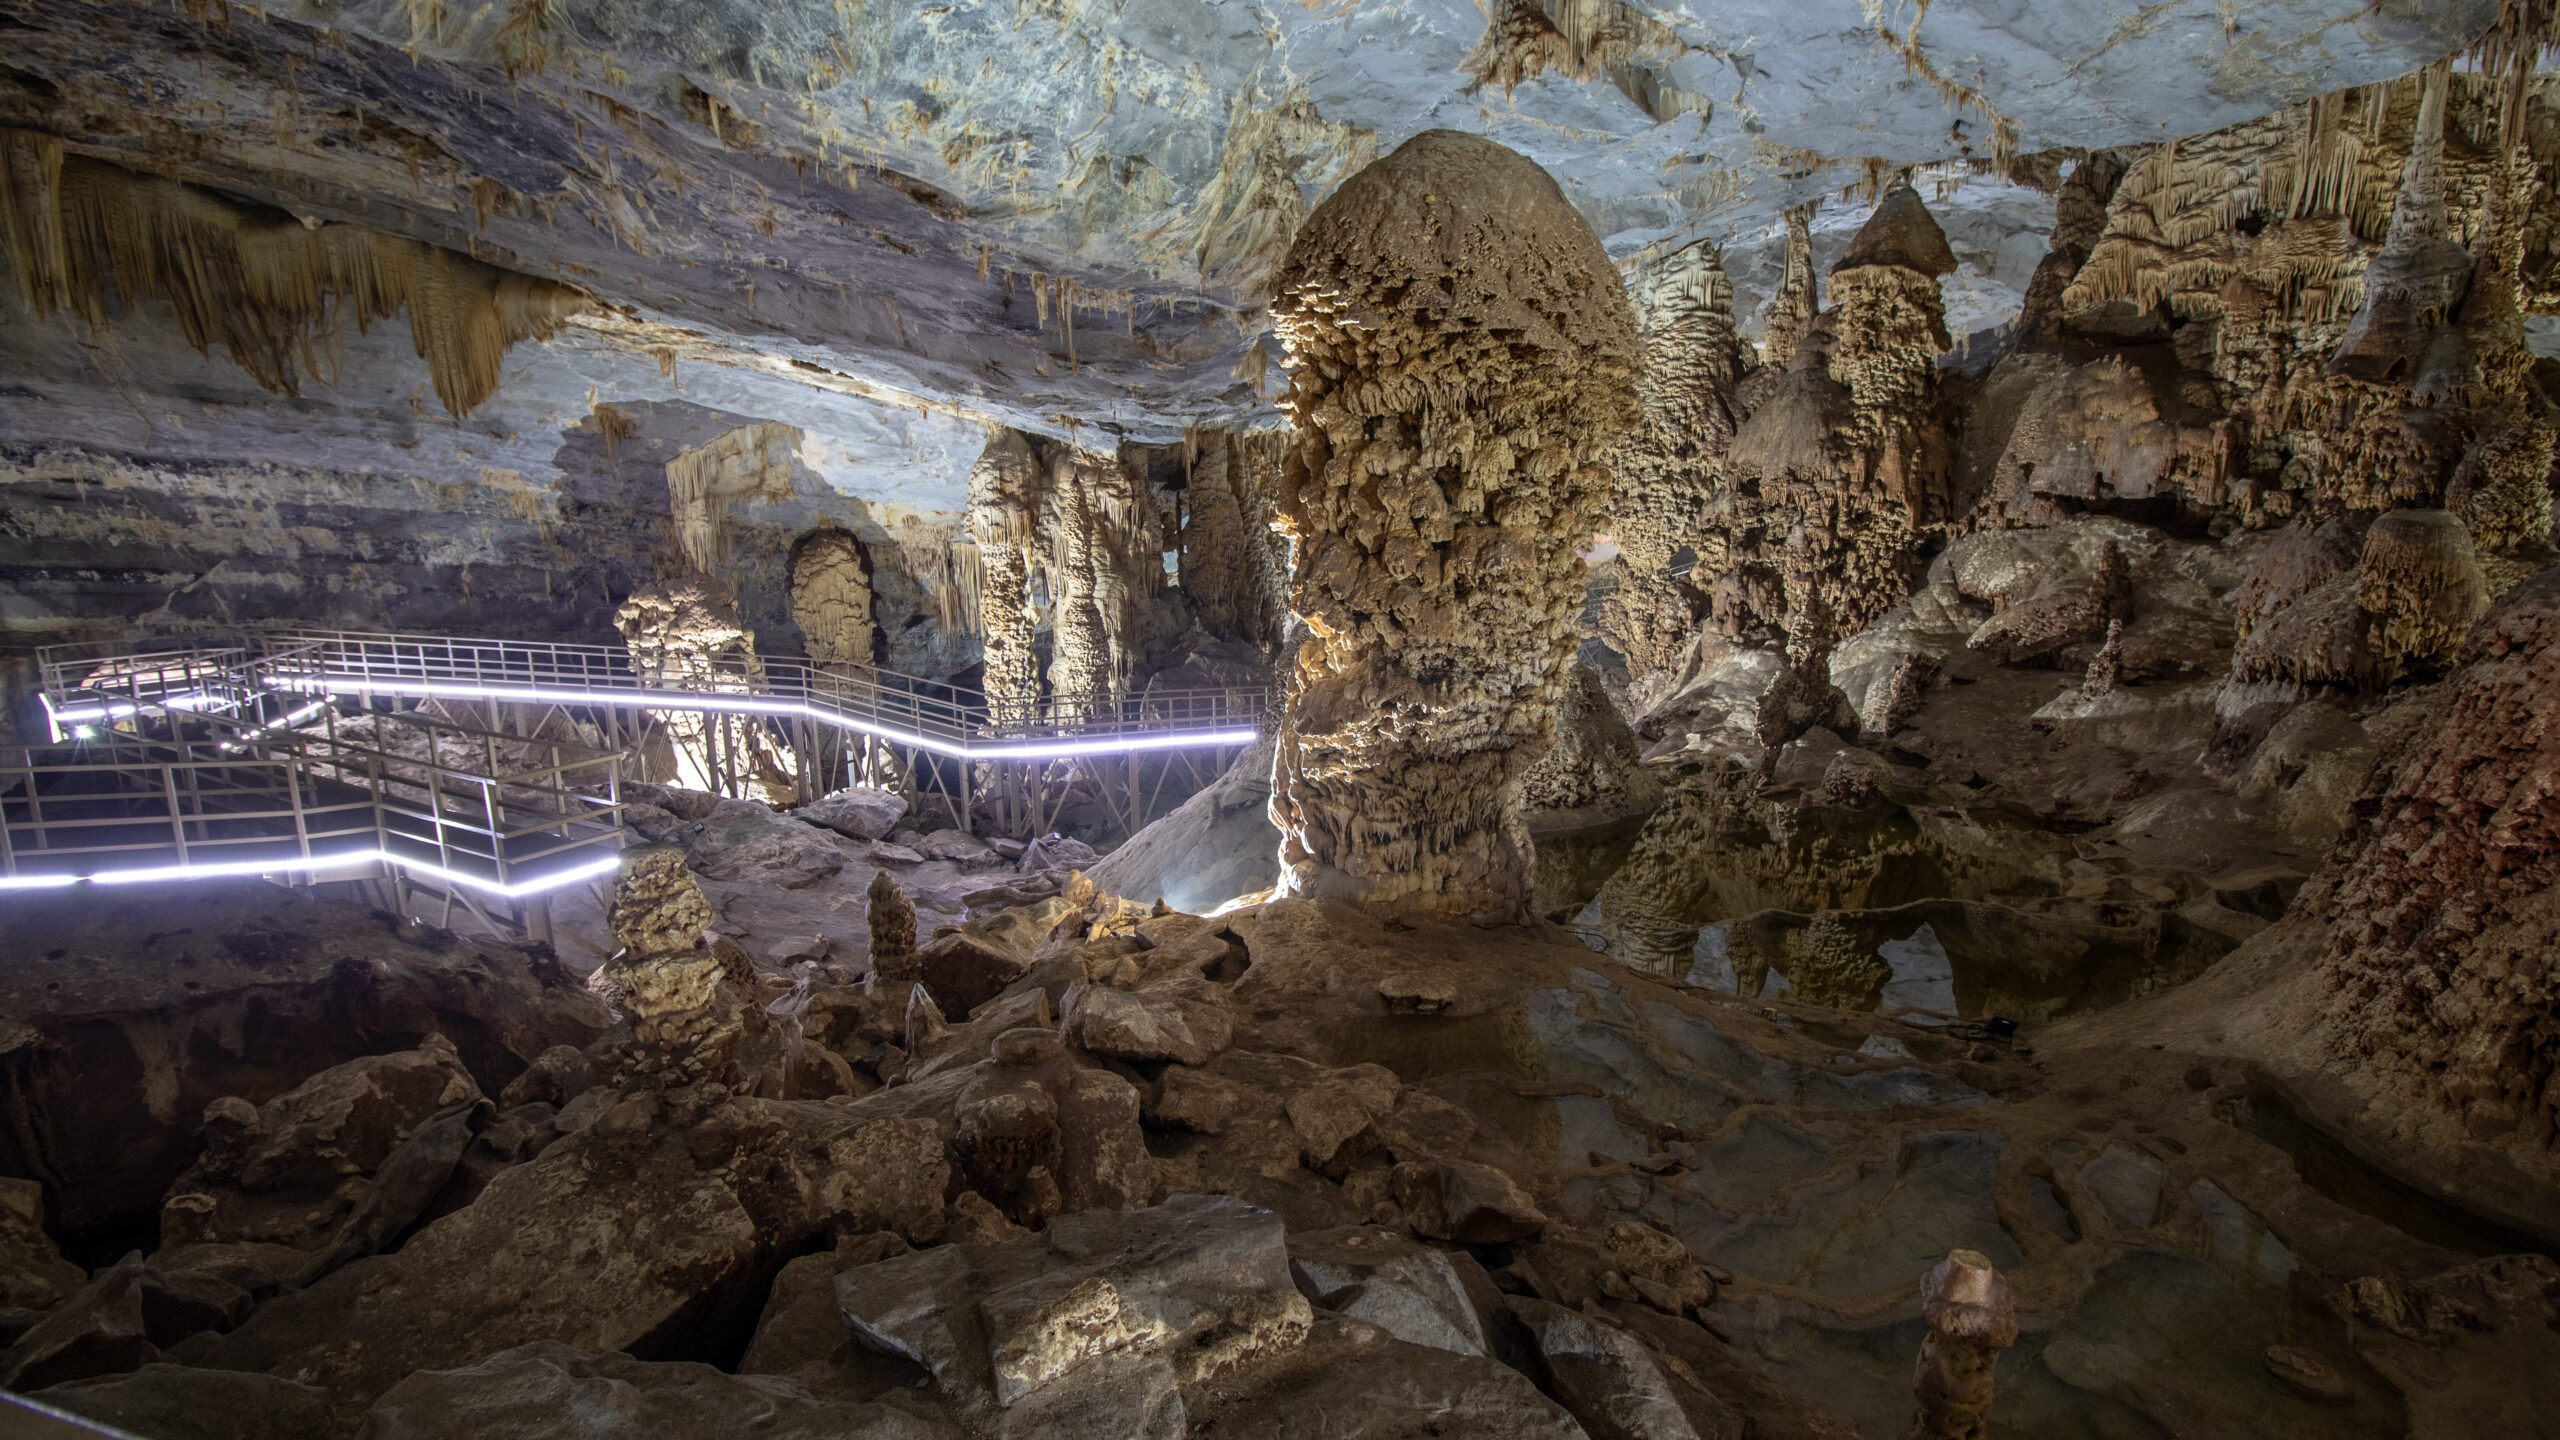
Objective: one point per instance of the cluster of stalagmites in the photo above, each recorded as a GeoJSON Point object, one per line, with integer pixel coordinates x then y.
{"type": "Point", "coordinates": [1075, 538]}
{"type": "Point", "coordinates": [1461, 350]}
{"type": "Point", "coordinates": [1800, 492]}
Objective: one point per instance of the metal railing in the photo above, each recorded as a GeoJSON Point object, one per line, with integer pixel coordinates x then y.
{"type": "Point", "coordinates": [934, 715]}
{"type": "Point", "coordinates": [379, 789]}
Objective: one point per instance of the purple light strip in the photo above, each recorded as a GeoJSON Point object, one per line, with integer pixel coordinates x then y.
{"type": "Point", "coordinates": [751, 705]}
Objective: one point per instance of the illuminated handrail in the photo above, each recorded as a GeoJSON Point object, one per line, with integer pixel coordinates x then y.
{"type": "Point", "coordinates": [261, 802]}
{"type": "Point", "coordinates": [934, 715]}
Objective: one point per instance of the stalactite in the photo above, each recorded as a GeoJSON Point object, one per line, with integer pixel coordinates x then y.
{"type": "Point", "coordinates": [1004, 506]}
{"type": "Point", "coordinates": [273, 289]}
{"type": "Point", "coordinates": [1462, 358]}
{"type": "Point", "coordinates": [753, 463]}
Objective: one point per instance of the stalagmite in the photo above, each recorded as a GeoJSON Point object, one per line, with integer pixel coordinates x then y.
{"type": "Point", "coordinates": [1234, 568]}
{"type": "Point", "coordinates": [1971, 1321]}
{"type": "Point", "coordinates": [1107, 563]}
{"type": "Point", "coordinates": [1848, 454]}
{"type": "Point", "coordinates": [1004, 498]}
{"type": "Point", "coordinates": [1669, 468]}
{"type": "Point", "coordinates": [685, 635]}
{"type": "Point", "coordinates": [1799, 296]}
{"type": "Point", "coordinates": [2419, 580]}
{"type": "Point", "coordinates": [1462, 356]}
{"type": "Point", "coordinates": [893, 933]}
{"type": "Point", "coordinates": [657, 907]}
{"type": "Point", "coordinates": [831, 598]}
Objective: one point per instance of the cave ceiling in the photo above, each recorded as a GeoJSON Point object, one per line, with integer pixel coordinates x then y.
{"type": "Point", "coordinates": [1062, 216]}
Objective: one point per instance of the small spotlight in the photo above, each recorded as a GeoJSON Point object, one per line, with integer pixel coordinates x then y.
{"type": "Point", "coordinates": [84, 732]}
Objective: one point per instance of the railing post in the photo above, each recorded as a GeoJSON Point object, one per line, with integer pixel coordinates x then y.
{"type": "Point", "coordinates": [177, 820]}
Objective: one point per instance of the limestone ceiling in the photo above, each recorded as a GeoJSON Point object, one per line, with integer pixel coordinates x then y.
{"type": "Point", "coordinates": [1059, 212]}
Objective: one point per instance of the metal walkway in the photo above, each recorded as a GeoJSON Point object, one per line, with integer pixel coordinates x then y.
{"type": "Point", "coordinates": [233, 757]}
{"type": "Point", "coordinates": [359, 797]}
{"type": "Point", "coordinates": [93, 684]}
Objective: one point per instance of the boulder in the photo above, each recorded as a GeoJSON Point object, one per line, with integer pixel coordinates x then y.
{"type": "Point", "coordinates": [959, 847]}
{"type": "Point", "coordinates": [1090, 1326]}
{"type": "Point", "coordinates": [99, 1331]}
{"type": "Point", "coordinates": [133, 1017]}
{"type": "Point", "coordinates": [1409, 1290]}
{"type": "Point", "coordinates": [280, 1173]}
{"type": "Point", "coordinates": [177, 1402]}
{"type": "Point", "coordinates": [33, 1274]}
{"type": "Point", "coordinates": [1213, 847]}
{"type": "Point", "coordinates": [1336, 1118]}
{"type": "Point", "coordinates": [1463, 1201]}
{"type": "Point", "coordinates": [1179, 1022]}
{"type": "Point", "coordinates": [968, 968]}
{"type": "Point", "coordinates": [859, 812]}
{"type": "Point", "coordinates": [747, 842]}
{"type": "Point", "coordinates": [1193, 1100]}
{"type": "Point", "coordinates": [549, 1391]}
{"type": "Point", "coordinates": [1353, 1381]}
{"type": "Point", "coordinates": [661, 1216]}
{"type": "Point", "coordinates": [1604, 1375]}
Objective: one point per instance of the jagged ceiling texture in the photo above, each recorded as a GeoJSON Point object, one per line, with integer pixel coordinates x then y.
{"type": "Point", "coordinates": [1062, 214]}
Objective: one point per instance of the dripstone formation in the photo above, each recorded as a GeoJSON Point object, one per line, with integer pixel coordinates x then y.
{"type": "Point", "coordinates": [855, 722]}
{"type": "Point", "coordinates": [1459, 347]}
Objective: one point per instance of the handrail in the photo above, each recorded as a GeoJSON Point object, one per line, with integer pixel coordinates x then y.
{"type": "Point", "coordinates": [224, 806]}
{"type": "Point", "coordinates": [933, 715]}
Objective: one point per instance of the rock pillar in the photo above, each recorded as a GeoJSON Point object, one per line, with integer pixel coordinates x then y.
{"type": "Point", "coordinates": [1004, 518]}
{"type": "Point", "coordinates": [1463, 363]}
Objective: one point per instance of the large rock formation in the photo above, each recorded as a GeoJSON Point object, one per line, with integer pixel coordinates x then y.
{"type": "Point", "coordinates": [2406, 994]}
{"type": "Point", "coordinates": [1004, 499]}
{"type": "Point", "coordinates": [1668, 471]}
{"type": "Point", "coordinates": [1461, 351]}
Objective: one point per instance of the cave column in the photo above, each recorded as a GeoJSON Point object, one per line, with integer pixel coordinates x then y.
{"type": "Point", "coordinates": [1463, 364]}
{"type": "Point", "coordinates": [1004, 494]}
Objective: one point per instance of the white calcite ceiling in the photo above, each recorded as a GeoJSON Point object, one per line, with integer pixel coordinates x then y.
{"type": "Point", "coordinates": [859, 200]}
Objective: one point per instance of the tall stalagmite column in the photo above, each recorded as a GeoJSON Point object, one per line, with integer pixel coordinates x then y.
{"type": "Point", "coordinates": [1668, 468]}
{"type": "Point", "coordinates": [1799, 296]}
{"type": "Point", "coordinates": [1109, 544]}
{"type": "Point", "coordinates": [1892, 329]}
{"type": "Point", "coordinates": [1004, 518]}
{"type": "Point", "coordinates": [1463, 363]}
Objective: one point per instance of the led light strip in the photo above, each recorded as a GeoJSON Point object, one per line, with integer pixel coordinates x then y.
{"type": "Point", "coordinates": [318, 862]}
{"type": "Point", "coordinates": [750, 705]}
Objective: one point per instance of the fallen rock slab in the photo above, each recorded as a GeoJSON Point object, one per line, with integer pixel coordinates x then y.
{"type": "Point", "coordinates": [178, 1402]}
{"type": "Point", "coordinates": [550, 1391]}
{"type": "Point", "coordinates": [859, 812]}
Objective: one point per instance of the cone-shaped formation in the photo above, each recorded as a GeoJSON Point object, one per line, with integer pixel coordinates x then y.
{"type": "Point", "coordinates": [1971, 1321]}
{"type": "Point", "coordinates": [1848, 456]}
{"type": "Point", "coordinates": [893, 932]}
{"type": "Point", "coordinates": [1463, 356]}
